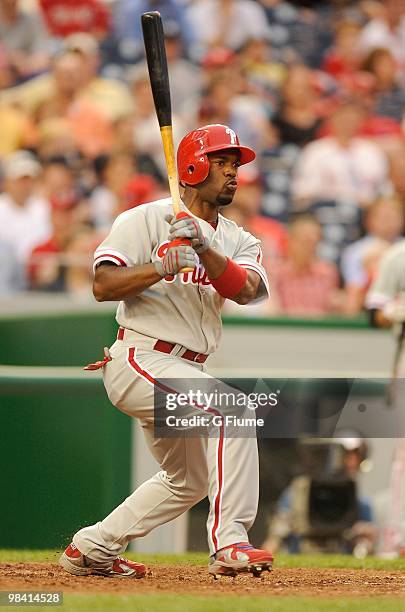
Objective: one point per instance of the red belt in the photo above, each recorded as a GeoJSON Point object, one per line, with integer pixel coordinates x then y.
{"type": "Point", "coordinates": [166, 347]}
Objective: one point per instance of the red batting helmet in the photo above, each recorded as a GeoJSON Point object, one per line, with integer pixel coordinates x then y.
{"type": "Point", "coordinates": [192, 160]}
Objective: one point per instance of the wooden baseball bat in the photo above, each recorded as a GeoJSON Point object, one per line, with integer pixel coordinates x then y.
{"type": "Point", "coordinates": [153, 37]}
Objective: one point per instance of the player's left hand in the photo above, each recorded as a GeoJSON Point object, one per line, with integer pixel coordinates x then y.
{"type": "Point", "coordinates": [395, 309]}
{"type": "Point", "coordinates": [188, 227]}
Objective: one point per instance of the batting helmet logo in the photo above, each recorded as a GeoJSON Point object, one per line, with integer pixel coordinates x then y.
{"type": "Point", "coordinates": [192, 160]}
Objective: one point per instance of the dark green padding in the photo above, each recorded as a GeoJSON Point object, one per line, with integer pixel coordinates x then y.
{"type": "Point", "coordinates": [78, 338]}
{"type": "Point", "coordinates": [64, 456]}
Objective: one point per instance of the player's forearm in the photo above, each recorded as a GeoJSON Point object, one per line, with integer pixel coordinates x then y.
{"type": "Point", "coordinates": [249, 291]}
{"type": "Point", "coordinates": [215, 264]}
{"type": "Point", "coordinates": [112, 283]}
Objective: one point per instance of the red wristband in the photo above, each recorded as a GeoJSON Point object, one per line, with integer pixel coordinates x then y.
{"type": "Point", "coordinates": [231, 281]}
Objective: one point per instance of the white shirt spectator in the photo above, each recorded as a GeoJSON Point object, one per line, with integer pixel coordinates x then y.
{"type": "Point", "coordinates": [377, 34]}
{"type": "Point", "coordinates": [246, 19]}
{"type": "Point", "coordinates": [24, 227]}
{"type": "Point", "coordinates": [328, 171]}
{"type": "Point", "coordinates": [352, 263]}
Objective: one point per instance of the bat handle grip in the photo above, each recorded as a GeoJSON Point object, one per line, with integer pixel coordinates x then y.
{"type": "Point", "coordinates": [178, 242]}
{"type": "Point", "coordinates": [181, 215]}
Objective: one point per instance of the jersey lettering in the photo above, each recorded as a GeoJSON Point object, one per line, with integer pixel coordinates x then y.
{"type": "Point", "coordinates": [197, 277]}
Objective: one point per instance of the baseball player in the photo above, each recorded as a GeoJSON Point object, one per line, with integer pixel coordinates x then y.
{"type": "Point", "coordinates": [169, 323]}
{"type": "Point", "coordinates": [386, 300]}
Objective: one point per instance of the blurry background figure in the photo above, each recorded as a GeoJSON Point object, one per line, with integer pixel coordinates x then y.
{"type": "Point", "coordinates": [185, 79]}
{"type": "Point", "coordinates": [225, 23]}
{"type": "Point", "coordinates": [110, 96]}
{"type": "Point", "coordinates": [120, 187]}
{"type": "Point", "coordinates": [127, 44]}
{"type": "Point", "coordinates": [264, 74]}
{"type": "Point", "coordinates": [342, 166]}
{"type": "Point", "coordinates": [292, 25]}
{"type": "Point", "coordinates": [24, 214]}
{"type": "Point", "coordinates": [25, 40]}
{"type": "Point", "coordinates": [321, 510]}
{"type": "Point", "coordinates": [245, 212]}
{"type": "Point", "coordinates": [387, 30]}
{"type": "Point", "coordinates": [46, 268]}
{"type": "Point", "coordinates": [389, 95]}
{"type": "Point", "coordinates": [384, 224]}
{"type": "Point", "coordinates": [17, 130]}
{"type": "Point", "coordinates": [55, 139]}
{"type": "Point", "coordinates": [344, 57]}
{"type": "Point", "coordinates": [79, 262]}
{"type": "Point", "coordinates": [297, 119]}
{"type": "Point", "coordinates": [242, 111]}
{"type": "Point", "coordinates": [91, 129]}
{"type": "Point", "coordinates": [63, 18]}
{"type": "Point", "coordinates": [146, 133]}
{"type": "Point", "coordinates": [303, 284]}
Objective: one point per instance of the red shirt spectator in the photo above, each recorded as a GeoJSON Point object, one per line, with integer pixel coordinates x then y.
{"type": "Point", "coordinates": [64, 17]}
{"type": "Point", "coordinates": [304, 284]}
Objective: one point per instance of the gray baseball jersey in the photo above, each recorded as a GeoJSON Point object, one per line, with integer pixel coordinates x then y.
{"type": "Point", "coordinates": [184, 309]}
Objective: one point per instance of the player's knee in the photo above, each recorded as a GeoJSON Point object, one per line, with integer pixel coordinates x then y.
{"type": "Point", "coordinates": [192, 490]}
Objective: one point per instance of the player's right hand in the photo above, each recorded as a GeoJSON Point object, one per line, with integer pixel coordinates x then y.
{"type": "Point", "coordinates": [176, 258]}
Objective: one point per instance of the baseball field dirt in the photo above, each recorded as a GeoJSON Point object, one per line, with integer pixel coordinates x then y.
{"type": "Point", "coordinates": [177, 583]}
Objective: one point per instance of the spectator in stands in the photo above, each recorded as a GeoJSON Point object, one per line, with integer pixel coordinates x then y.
{"type": "Point", "coordinates": [50, 263]}
{"type": "Point", "coordinates": [24, 215]}
{"type": "Point", "coordinates": [79, 262]}
{"type": "Point", "coordinates": [146, 127]}
{"type": "Point", "coordinates": [111, 97]}
{"type": "Point", "coordinates": [120, 187]}
{"type": "Point", "coordinates": [341, 166]}
{"type": "Point", "coordinates": [91, 129]}
{"type": "Point", "coordinates": [185, 79]}
{"type": "Point", "coordinates": [17, 130]}
{"type": "Point", "coordinates": [124, 143]}
{"type": "Point", "coordinates": [225, 23]}
{"type": "Point", "coordinates": [63, 18]}
{"type": "Point", "coordinates": [264, 75]}
{"type": "Point", "coordinates": [387, 30]}
{"type": "Point", "coordinates": [297, 119]}
{"type": "Point", "coordinates": [25, 40]}
{"type": "Point", "coordinates": [384, 224]}
{"type": "Point", "coordinates": [303, 284]}
{"type": "Point", "coordinates": [389, 94]}
{"type": "Point", "coordinates": [292, 26]}
{"type": "Point", "coordinates": [244, 112]}
{"type": "Point", "coordinates": [245, 212]}
{"type": "Point", "coordinates": [47, 262]}
{"type": "Point", "coordinates": [6, 76]}
{"type": "Point", "coordinates": [344, 57]}
{"type": "Point", "coordinates": [127, 25]}
{"type": "Point", "coordinates": [276, 165]}
{"type": "Point", "coordinates": [55, 139]}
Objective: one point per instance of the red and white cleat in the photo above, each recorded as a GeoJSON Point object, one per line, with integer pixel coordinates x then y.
{"type": "Point", "coordinates": [239, 558]}
{"type": "Point", "coordinates": [77, 564]}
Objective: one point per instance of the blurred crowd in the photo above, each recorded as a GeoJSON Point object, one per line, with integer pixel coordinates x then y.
{"type": "Point", "coordinates": [316, 88]}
